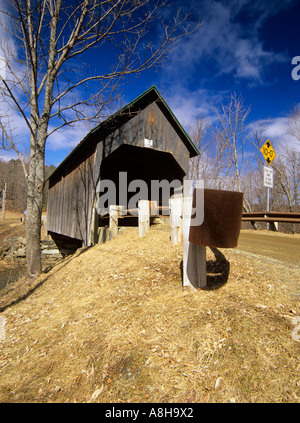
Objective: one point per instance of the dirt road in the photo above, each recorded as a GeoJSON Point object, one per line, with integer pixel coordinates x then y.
{"type": "Point", "coordinates": [275, 246]}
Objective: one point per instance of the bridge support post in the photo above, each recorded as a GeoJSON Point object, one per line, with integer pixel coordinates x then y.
{"type": "Point", "coordinates": [175, 206]}
{"type": "Point", "coordinates": [114, 214]}
{"type": "Point", "coordinates": [194, 255]}
{"type": "Point", "coordinates": [144, 217]}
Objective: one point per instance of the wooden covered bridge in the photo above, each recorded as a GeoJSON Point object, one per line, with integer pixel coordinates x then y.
{"type": "Point", "coordinates": [143, 139]}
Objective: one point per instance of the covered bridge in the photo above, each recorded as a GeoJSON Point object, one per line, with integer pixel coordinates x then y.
{"type": "Point", "coordinates": [143, 139]}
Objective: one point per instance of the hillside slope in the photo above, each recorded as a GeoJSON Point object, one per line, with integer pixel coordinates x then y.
{"type": "Point", "coordinates": [113, 324]}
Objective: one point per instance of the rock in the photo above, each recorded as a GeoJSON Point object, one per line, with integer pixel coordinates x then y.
{"type": "Point", "coordinates": [21, 252]}
{"type": "Point", "coordinates": [22, 240]}
{"type": "Point", "coordinates": [53, 253]}
{"type": "Point", "coordinates": [15, 247]}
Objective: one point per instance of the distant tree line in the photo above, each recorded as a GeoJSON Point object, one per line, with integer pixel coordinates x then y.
{"type": "Point", "coordinates": [12, 174]}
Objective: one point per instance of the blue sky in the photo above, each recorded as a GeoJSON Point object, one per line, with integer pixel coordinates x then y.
{"type": "Point", "coordinates": [242, 46]}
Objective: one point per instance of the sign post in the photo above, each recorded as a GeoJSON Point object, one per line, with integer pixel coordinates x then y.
{"type": "Point", "coordinates": [269, 154]}
{"type": "Point", "coordinates": [268, 183]}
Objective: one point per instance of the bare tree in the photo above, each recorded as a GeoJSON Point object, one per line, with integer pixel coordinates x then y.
{"type": "Point", "coordinates": [199, 166]}
{"type": "Point", "coordinates": [210, 165]}
{"type": "Point", "coordinates": [44, 39]}
{"type": "Point", "coordinates": [294, 123]}
{"type": "Point", "coordinates": [222, 144]}
{"type": "Point", "coordinates": [231, 133]}
{"type": "Point", "coordinates": [287, 176]}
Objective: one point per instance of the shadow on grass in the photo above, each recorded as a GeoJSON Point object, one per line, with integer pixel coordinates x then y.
{"type": "Point", "coordinates": [217, 271]}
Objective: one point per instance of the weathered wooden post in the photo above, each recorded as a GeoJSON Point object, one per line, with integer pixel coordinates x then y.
{"type": "Point", "coordinates": [175, 205]}
{"type": "Point", "coordinates": [153, 208]}
{"type": "Point", "coordinates": [194, 256]}
{"type": "Point", "coordinates": [94, 226]}
{"type": "Point", "coordinates": [103, 235]}
{"type": "Point", "coordinates": [219, 228]}
{"type": "Point", "coordinates": [144, 217]}
{"type": "Point", "coordinates": [113, 220]}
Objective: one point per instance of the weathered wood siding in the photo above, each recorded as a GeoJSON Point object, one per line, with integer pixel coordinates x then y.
{"type": "Point", "coordinates": [149, 123]}
{"type": "Point", "coordinates": [73, 185]}
{"type": "Point", "coordinates": [71, 200]}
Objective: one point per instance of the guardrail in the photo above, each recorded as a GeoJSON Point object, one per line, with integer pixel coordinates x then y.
{"type": "Point", "coordinates": [271, 217]}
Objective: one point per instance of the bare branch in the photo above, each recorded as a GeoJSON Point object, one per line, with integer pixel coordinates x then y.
{"type": "Point", "coordinates": [294, 123]}
{"type": "Point", "coordinates": [17, 104]}
{"type": "Point", "coordinates": [7, 137]}
{"type": "Point", "coordinates": [231, 131]}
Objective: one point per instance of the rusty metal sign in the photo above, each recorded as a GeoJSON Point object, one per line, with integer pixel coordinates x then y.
{"type": "Point", "coordinates": [222, 219]}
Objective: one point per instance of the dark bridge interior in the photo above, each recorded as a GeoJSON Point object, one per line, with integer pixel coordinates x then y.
{"type": "Point", "coordinates": [140, 164]}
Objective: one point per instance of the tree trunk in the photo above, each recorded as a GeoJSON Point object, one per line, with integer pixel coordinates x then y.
{"type": "Point", "coordinates": [36, 179]}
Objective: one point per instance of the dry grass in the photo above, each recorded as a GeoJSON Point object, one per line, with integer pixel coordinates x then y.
{"type": "Point", "coordinates": [113, 324]}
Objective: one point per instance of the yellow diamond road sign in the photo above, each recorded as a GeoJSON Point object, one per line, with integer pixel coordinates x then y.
{"type": "Point", "coordinates": [268, 152]}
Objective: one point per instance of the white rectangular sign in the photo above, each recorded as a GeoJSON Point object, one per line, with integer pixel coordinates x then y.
{"type": "Point", "coordinates": [268, 177]}
{"type": "Point", "coordinates": [148, 143]}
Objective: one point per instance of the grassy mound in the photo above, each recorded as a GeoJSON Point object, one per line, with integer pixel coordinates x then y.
{"type": "Point", "coordinates": [113, 324]}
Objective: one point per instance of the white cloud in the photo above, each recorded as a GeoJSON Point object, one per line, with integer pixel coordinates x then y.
{"type": "Point", "coordinates": [251, 60]}
{"type": "Point", "coordinates": [68, 137]}
{"type": "Point", "coordinates": [188, 106]}
{"type": "Point", "coordinates": [277, 131]}
{"type": "Point", "coordinates": [7, 155]}
{"type": "Point", "coordinates": [225, 43]}
{"type": "Point", "coordinates": [277, 128]}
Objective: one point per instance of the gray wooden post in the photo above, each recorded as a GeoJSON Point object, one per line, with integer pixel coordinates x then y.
{"type": "Point", "coordinates": [144, 217]}
{"type": "Point", "coordinates": [113, 221]}
{"type": "Point", "coordinates": [153, 208]}
{"type": "Point", "coordinates": [175, 205]}
{"type": "Point", "coordinates": [194, 256]}
{"type": "Point", "coordinates": [103, 235]}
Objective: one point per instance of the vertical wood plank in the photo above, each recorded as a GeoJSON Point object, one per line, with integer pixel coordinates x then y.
{"type": "Point", "coordinates": [194, 256]}
{"type": "Point", "coordinates": [196, 265]}
{"type": "Point", "coordinates": [187, 207]}
{"type": "Point", "coordinates": [153, 208]}
{"type": "Point", "coordinates": [113, 221]}
{"type": "Point", "coordinates": [144, 217]}
{"type": "Point", "coordinates": [175, 205]}
{"type": "Point", "coordinates": [103, 235]}
{"type": "Point", "coordinates": [94, 227]}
